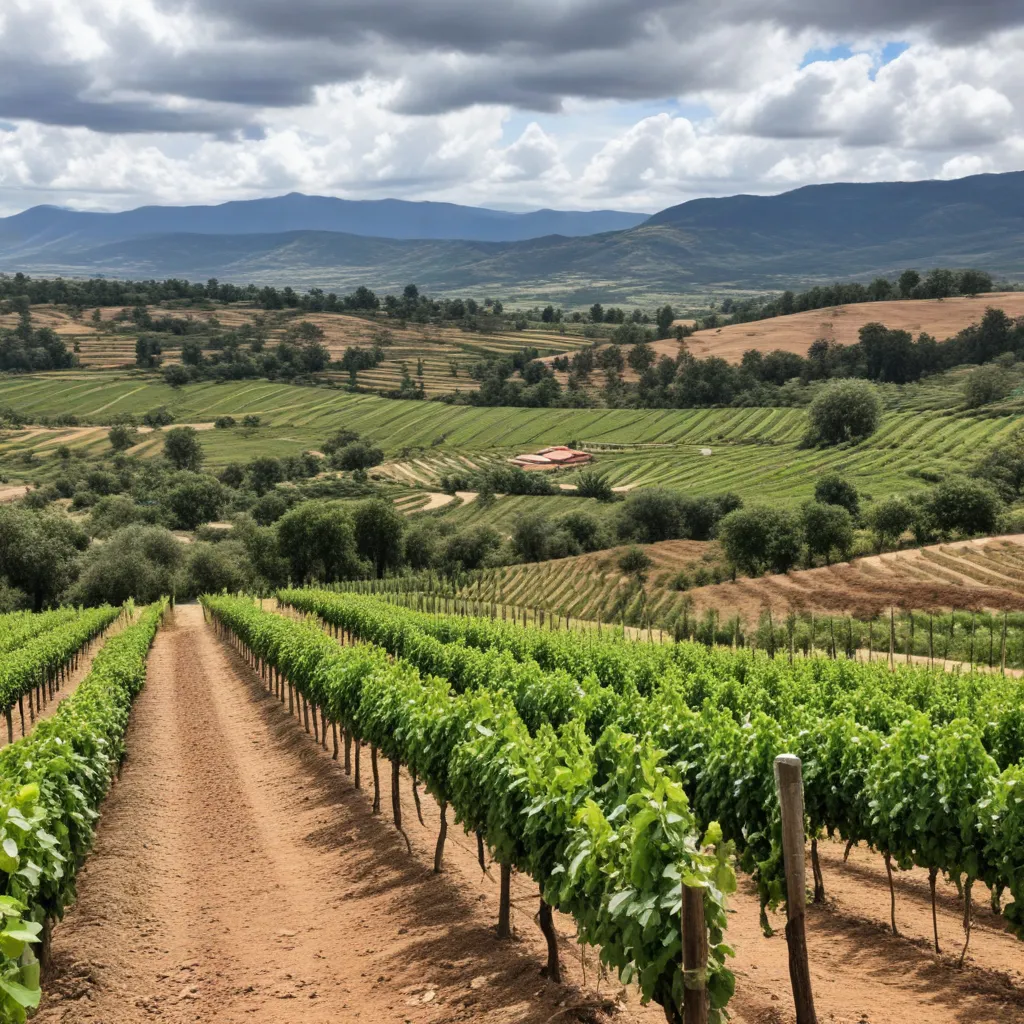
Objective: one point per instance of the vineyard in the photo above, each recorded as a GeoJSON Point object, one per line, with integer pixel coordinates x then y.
{"type": "Point", "coordinates": [623, 791]}
{"type": "Point", "coordinates": [747, 451]}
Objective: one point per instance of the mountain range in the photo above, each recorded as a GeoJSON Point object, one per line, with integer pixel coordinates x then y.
{"type": "Point", "coordinates": [811, 234]}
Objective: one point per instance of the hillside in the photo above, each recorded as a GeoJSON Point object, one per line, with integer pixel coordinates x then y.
{"type": "Point", "coordinates": [942, 318]}
{"type": "Point", "coordinates": [807, 236]}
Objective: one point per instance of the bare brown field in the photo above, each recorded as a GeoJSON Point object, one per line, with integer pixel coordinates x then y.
{"type": "Point", "coordinates": [941, 318]}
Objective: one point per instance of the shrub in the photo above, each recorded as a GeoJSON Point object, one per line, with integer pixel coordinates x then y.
{"type": "Point", "coordinates": [224, 422]}
{"type": "Point", "coordinates": [161, 416]}
{"type": "Point", "coordinates": [592, 484]}
{"type": "Point", "coordinates": [635, 562]}
{"type": "Point", "coordinates": [122, 437]}
{"type": "Point", "coordinates": [890, 519]}
{"type": "Point", "coordinates": [182, 448]}
{"type": "Point", "coordinates": [985, 385]}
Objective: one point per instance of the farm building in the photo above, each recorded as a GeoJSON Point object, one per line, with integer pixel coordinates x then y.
{"type": "Point", "coordinates": [556, 457]}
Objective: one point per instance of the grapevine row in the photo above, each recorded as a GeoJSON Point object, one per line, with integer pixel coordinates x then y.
{"type": "Point", "coordinates": [601, 825]}
{"type": "Point", "coordinates": [908, 762]}
{"type": "Point", "coordinates": [52, 783]}
{"type": "Point", "coordinates": [34, 668]}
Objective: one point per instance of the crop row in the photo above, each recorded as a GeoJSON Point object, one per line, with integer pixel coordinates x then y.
{"type": "Point", "coordinates": [51, 785]}
{"type": "Point", "coordinates": [923, 766]}
{"type": "Point", "coordinates": [601, 824]}
{"type": "Point", "coordinates": [42, 661]}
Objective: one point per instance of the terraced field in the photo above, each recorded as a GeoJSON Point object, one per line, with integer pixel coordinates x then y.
{"type": "Point", "coordinates": [754, 452]}
{"type": "Point", "coordinates": [436, 358]}
{"type": "Point", "coordinates": [985, 574]}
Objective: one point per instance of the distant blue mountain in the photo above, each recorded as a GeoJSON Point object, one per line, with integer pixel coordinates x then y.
{"type": "Point", "coordinates": [42, 226]}
{"type": "Point", "coordinates": [810, 235]}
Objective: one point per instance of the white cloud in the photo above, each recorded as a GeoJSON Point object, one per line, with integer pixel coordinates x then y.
{"type": "Point", "coordinates": [114, 103]}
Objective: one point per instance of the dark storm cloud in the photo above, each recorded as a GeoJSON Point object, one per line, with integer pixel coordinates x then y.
{"type": "Point", "coordinates": [449, 54]}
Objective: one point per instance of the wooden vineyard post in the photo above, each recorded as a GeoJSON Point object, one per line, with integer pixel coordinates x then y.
{"type": "Point", "coordinates": [1002, 648]}
{"type": "Point", "coordinates": [892, 639]}
{"type": "Point", "coordinates": [695, 957]}
{"type": "Point", "coordinates": [790, 786]}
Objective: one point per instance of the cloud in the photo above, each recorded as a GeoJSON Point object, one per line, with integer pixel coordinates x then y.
{"type": "Point", "coordinates": [569, 103]}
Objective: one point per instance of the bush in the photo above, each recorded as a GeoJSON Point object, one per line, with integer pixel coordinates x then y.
{"type": "Point", "coordinates": [161, 416]}
{"type": "Point", "coordinates": [251, 421]}
{"type": "Point", "coordinates": [194, 498]}
{"type": "Point", "coordinates": [965, 506]}
{"type": "Point", "coordinates": [635, 562]}
{"type": "Point", "coordinates": [469, 549]}
{"type": "Point", "coordinates": [985, 385]}
{"type": "Point", "coordinates": [592, 484]}
{"type": "Point", "coordinates": [832, 489]}
{"type": "Point", "coordinates": [651, 515]}
{"type": "Point", "coordinates": [176, 375]}
{"type": "Point", "coordinates": [846, 410]}
{"type": "Point", "coordinates": [212, 568]}
{"type": "Point", "coordinates": [122, 437]}
{"type": "Point", "coordinates": [761, 538]}
{"type": "Point", "coordinates": [224, 422]}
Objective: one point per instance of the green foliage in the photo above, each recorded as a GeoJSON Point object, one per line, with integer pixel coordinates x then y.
{"type": "Point", "coordinates": [833, 489]}
{"type": "Point", "coordinates": [761, 538]}
{"type": "Point", "coordinates": [1003, 466]}
{"type": "Point", "coordinates": [317, 539]}
{"type": "Point", "coordinates": [985, 385]}
{"type": "Point", "coordinates": [122, 436]}
{"type": "Point", "coordinates": [828, 531]}
{"type": "Point", "coordinates": [378, 533]}
{"type": "Point", "coordinates": [183, 450]}
{"type": "Point", "coordinates": [52, 784]}
{"type": "Point", "coordinates": [139, 562]}
{"type": "Point", "coordinates": [602, 825]}
{"type": "Point", "coordinates": [846, 410]}
{"type": "Point", "coordinates": [592, 484]}
{"type": "Point", "coordinates": [890, 519]}
{"type": "Point", "coordinates": [961, 505]}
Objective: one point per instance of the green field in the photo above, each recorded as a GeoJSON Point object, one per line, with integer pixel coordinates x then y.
{"type": "Point", "coordinates": [754, 452]}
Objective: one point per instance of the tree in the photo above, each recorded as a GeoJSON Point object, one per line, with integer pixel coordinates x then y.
{"type": "Point", "coordinates": [182, 448]}
{"type": "Point", "coordinates": [176, 375]}
{"type": "Point", "coordinates": [39, 553]}
{"type": "Point", "coordinates": [139, 562]}
{"type": "Point", "coordinates": [192, 352]}
{"type": "Point", "coordinates": [846, 410]}
{"type": "Point", "coordinates": [962, 505]}
{"type": "Point", "coordinates": [357, 455]}
{"type": "Point", "coordinates": [828, 529]}
{"type": "Point", "coordinates": [317, 539]}
{"type": "Point", "coordinates": [596, 313]}
{"type": "Point", "coordinates": [973, 282]}
{"type": "Point", "coordinates": [194, 498]}
{"type": "Point", "coordinates": [890, 519]}
{"type": "Point", "coordinates": [469, 549]}
{"type": "Point", "coordinates": [641, 357]}
{"type": "Point", "coordinates": [147, 351]}
{"type": "Point", "coordinates": [986, 384]}
{"type": "Point", "coordinates": [122, 437]}
{"type": "Point", "coordinates": [760, 538]}
{"type": "Point", "coordinates": [650, 515]}
{"type": "Point", "coordinates": [422, 543]}
{"type": "Point", "coordinates": [379, 527]}
{"type": "Point", "coordinates": [592, 484]}
{"type": "Point", "coordinates": [264, 472]}
{"type": "Point", "coordinates": [908, 281]}
{"type": "Point", "coordinates": [666, 317]}
{"type": "Point", "coordinates": [232, 475]}
{"type": "Point", "coordinates": [161, 416]}
{"type": "Point", "coordinates": [530, 537]}
{"type": "Point", "coordinates": [1003, 467]}
{"type": "Point", "coordinates": [212, 568]}
{"type": "Point", "coordinates": [832, 489]}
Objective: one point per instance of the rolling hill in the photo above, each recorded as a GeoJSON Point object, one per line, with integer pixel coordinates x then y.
{"type": "Point", "coordinates": [813, 234]}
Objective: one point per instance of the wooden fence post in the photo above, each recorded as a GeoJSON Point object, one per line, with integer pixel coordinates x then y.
{"type": "Point", "coordinates": [695, 957]}
{"type": "Point", "coordinates": [790, 786]}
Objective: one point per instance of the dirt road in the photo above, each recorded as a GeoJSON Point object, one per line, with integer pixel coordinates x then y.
{"type": "Point", "coordinates": [239, 876]}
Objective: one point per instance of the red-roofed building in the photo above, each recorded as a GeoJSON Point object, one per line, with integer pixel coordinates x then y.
{"type": "Point", "coordinates": [556, 457]}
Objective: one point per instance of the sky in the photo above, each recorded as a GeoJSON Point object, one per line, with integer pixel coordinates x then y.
{"type": "Point", "coordinates": [515, 104]}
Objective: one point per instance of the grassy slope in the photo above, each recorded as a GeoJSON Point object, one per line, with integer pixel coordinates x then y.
{"type": "Point", "coordinates": [754, 451]}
